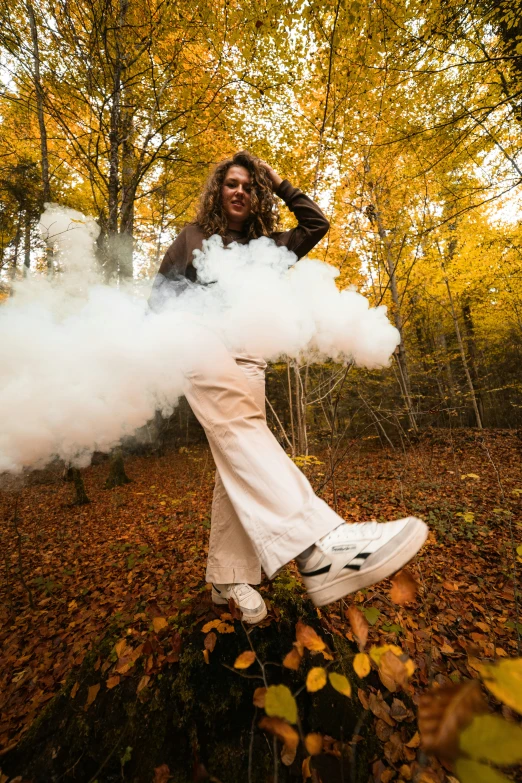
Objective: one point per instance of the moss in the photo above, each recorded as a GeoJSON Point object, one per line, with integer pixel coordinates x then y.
{"type": "Point", "coordinates": [193, 711]}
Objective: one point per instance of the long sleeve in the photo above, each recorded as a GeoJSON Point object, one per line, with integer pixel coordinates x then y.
{"type": "Point", "coordinates": [171, 278]}
{"type": "Point", "coordinates": [311, 227]}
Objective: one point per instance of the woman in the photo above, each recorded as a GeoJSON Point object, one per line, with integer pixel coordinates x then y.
{"type": "Point", "coordinates": [264, 511]}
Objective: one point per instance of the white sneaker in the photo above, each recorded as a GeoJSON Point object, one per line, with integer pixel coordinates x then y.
{"type": "Point", "coordinates": [355, 556]}
{"type": "Point", "coordinates": [250, 602]}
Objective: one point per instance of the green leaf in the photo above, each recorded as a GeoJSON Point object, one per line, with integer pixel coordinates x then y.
{"type": "Point", "coordinates": [492, 738]}
{"type": "Point", "coordinates": [504, 680]}
{"type": "Point", "coordinates": [340, 683]}
{"type": "Point", "coordinates": [372, 614]}
{"type": "Point", "coordinates": [279, 703]}
{"type": "Point", "coordinates": [392, 628]}
{"type": "Point", "coordinates": [472, 772]}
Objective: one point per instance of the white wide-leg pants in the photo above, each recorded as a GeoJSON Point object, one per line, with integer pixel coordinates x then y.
{"type": "Point", "coordinates": [264, 511]}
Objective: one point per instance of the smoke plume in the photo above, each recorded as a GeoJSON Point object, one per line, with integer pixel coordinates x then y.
{"type": "Point", "coordinates": [83, 364]}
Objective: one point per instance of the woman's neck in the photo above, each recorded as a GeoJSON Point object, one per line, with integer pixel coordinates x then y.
{"type": "Point", "coordinates": [236, 226]}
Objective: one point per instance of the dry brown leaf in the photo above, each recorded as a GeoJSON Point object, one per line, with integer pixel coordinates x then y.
{"type": "Point", "coordinates": [113, 681]}
{"type": "Point", "coordinates": [383, 730]}
{"type": "Point", "coordinates": [314, 743]}
{"type": "Point", "coordinates": [144, 681]}
{"type": "Point", "coordinates": [74, 689]}
{"type": "Point", "coordinates": [210, 641]}
{"type": "Point", "coordinates": [159, 623]}
{"type": "Point", "coordinates": [91, 694]}
{"type": "Point", "coordinates": [286, 733]}
{"type": "Point", "coordinates": [292, 660]}
{"type": "Point", "coordinates": [120, 647]}
{"type": "Point", "coordinates": [288, 755]}
{"type": "Point", "coordinates": [161, 774]}
{"type": "Point", "coordinates": [444, 713]}
{"type": "Point", "coordinates": [358, 624]}
{"type": "Point", "coordinates": [305, 769]}
{"type": "Point", "coordinates": [415, 741]}
{"type": "Point", "coordinates": [225, 628]}
{"type": "Point", "coordinates": [404, 588]}
{"type": "Point", "coordinates": [306, 636]}
{"type": "Point", "coordinates": [206, 656]}
{"type": "Point", "coordinates": [363, 698]}
{"type": "Point", "coordinates": [245, 660]}
{"type": "Point", "coordinates": [259, 697]}
{"type": "Point", "coordinates": [210, 625]}
{"type": "Point", "coordinates": [452, 586]}
{"type": "Point", "coordinates": [399, 711]}
{"type": "Point", "coordinates": [380, 709]}
{"type": "Point", "coordinates": [392, 672]}
{"type": "Point", "coordinates": [447, 648]}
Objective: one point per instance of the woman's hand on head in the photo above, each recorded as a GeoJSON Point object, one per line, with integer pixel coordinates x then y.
{"type": "Point", "coordinates": [274, 176]}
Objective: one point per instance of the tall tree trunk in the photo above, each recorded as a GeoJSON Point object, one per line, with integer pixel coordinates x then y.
{"type": "Point", "coordinates": [472, 354]}
{"type": "Point", "coordinates": [291, 407]}
{"type": "Point", "coordinates": [440, 338]}
{"type": "Point", "coordinates": [46, 183]}
{"type": "Point", "coordinates": [128, 195]}
{"type": "Point", "coordinates": [114, 146]}
{"type": "Point", "coordinates": [452, 249]}
{"type": "Point", "coordinates": [462, 351]}
{"type": "Point", "coordinates": [27, 241]}
{"type": "Point", "coordinates": [18, 237]}
{"type": "Point", "coordinates": [400, 355]}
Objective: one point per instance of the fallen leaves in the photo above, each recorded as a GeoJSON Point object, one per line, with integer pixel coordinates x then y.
{"type": "Point", "coordinates": [91, 694]}
{"type": "Point", "coordinates": [144, 681]}
{"type": "Point", "coordinates": [504, 680]}
{"type": "Point", "coordinates": [292, 660]}
{"type": "Point", "coordinates": [307, 637]}
{"type": "Point", "coordinates": [444, 713]}
{"type": "Point", "coordinates": [159, 624]}
{"type": "Point", "coordinates": [210, 641]}
{"type": "Point", "coordinates": [404, 588]}
{"type": "Point", "coordinates": [359, 626]}
{"type": "Point", "coordinates": [219, 625]}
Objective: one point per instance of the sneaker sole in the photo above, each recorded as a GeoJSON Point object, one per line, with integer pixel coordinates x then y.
{"type": "Point", "coordinates": [250, 619]}
{"type": "Point", "coordinates": [393, 556]}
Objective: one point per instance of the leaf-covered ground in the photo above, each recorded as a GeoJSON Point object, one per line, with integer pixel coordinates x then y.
{"type": "Point", "coordinates": [134, 560]}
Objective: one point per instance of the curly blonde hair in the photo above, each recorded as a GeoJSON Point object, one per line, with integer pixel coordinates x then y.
{"type": "Point", "coordinates": [211, 217]}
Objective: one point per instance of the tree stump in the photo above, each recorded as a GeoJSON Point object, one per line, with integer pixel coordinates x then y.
{"type": "Point", "coordinates": [117, 476]}
{"type": "Point", "coordinates": [81, 494]}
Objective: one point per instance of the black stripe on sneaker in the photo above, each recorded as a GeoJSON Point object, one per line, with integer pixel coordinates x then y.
{"type": "Point", "coordinates": [364, 555]}
{"type": "Point", "coordinates": [355, 567]}
{"type": "Point", "coordinates": [322, 570]}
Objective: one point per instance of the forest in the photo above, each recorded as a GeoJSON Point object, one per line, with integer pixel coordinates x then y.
{"type": "Point", "coordinates": [403, 121]}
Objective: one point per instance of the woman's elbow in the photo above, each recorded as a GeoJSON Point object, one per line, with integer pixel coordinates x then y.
{"type": "Point", "coordinates": [324, 227]}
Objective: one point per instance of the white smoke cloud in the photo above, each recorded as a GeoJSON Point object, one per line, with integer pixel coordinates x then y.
{"type": "Point", "coordinates": [84, 364]}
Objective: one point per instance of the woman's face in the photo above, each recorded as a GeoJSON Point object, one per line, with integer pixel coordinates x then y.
{"type": "Point", "coordinates": [235, 195]}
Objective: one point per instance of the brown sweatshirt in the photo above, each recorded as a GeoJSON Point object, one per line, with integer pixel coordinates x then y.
{"type": "Point", "coordinates": [176, 269]}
